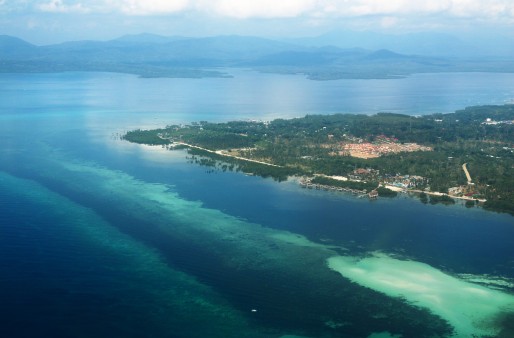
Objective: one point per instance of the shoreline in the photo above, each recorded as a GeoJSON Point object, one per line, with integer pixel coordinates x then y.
{"type": "Point", "coordinates": [339, 178]}
{"type": "Point", "coordinates": [218, 152]}
{"type": "Point", "coordinates": [303, 182]}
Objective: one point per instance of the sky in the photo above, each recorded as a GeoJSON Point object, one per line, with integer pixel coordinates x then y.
{"type": "Point", "coordinates": [53, 21]}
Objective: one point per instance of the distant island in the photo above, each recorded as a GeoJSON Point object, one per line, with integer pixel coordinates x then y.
{"type": "Point", "coordinates": [466, 155]}
{"type": "Point", "coordinates": [152, 56]}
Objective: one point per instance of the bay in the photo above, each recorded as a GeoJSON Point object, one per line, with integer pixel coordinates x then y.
{"type": "Point", "coordinates": [83, 212]}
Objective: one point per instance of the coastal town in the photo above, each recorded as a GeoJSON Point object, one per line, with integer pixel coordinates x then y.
{"type": "Point", "coordinates": [441, 158]}
{"type": "Point", "coordinates": [370, 150]}
{"type": "Point", "coordinates": [383, 145]}
{"type": "Point", "coordinates": [397, 184]}
{"type": "Point", "coordinates": [358, 148]}
{"type": "Point", "coordinates": [394, 183]}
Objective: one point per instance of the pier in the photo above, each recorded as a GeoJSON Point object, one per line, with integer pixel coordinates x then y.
{"type": "Point", "coordinates": [306, 183]}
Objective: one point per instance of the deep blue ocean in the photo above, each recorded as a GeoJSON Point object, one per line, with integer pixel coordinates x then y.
{"type": "Point", "coordinates": [103, 238]}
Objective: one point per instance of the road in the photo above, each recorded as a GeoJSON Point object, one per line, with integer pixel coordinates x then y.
{"type": "Point", "coordinates": [220, 152]}
{"type": "Point", "coordinates": [468, 176]}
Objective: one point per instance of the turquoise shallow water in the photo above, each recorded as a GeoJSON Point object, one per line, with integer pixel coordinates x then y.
{"type": "Point", "coordinates": [99, 237]}
{"type": "Point", "coordinates": [67, 272]}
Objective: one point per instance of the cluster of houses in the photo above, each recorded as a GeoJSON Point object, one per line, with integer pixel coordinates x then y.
{"type": "Point", "coordinates": [405, 181]}
{"type": "Point", "coordinates": [398, 180]}
{"type": "Point", "coordinates": [464, 190]}
{"type": "Point", "coordinates": [373, 150]}
{"type": "Point", "coordinates": [490, 121]}
{"type": "Point", "coordinates": [370, 174]}
{"type": "Point", "coordinates": [363, 174]}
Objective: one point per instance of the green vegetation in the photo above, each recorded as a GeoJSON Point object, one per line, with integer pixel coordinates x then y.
{"type": "Point", "coordinates": [225, 163]}
{"type": "Point", "coordinates": [482, 137]}
{"type": "Point", "coordinates": [423, 198]}
{"type": "Point", "coordinates": [384, 192]}
{"type": "Point", "coordinates": [444, 199]}
{"type": "Point", "coordinates": [469, 204]}
{"type": "Point", "coordinates": [146, 137]}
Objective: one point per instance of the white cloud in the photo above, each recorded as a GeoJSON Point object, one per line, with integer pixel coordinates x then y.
{"type": "Point", "coordinates": [152, 7]}
{"type": "Point", "coordinates": [268, 9]}
{"type": "Point", "coordinates": [458, 8]}
{"type": "Point", "coordinates": [388, 22]}
{"type": "Point", "coordinates": [8, 6]}
{"type": "Point", "coordinates": [58, 6]}
{"type": "Point", "coordinates": [242, 9]}
{"type": "Point", "coordinates": [356, 14]}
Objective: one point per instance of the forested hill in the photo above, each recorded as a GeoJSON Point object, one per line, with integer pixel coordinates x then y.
{"type": "Point", "coordinates": [467, 124]}
{"type": "Point", "coordinates": [433, 147]}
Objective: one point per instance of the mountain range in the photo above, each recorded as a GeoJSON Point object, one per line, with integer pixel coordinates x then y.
{"type": "Point", "coordinates": [158, 56]}
{"type": "Point", "coordinates": [422, 43]}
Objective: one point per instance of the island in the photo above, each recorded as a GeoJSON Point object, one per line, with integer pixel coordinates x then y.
{"type": "Point", "coordinates": [466, 155]}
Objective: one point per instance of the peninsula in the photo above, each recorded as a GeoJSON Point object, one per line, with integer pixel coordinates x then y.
{"type": "Point", "coordinates": [468, 154]}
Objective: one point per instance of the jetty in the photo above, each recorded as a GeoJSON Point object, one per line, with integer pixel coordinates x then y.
{"type": "Point", "coordinates": [306, 183]}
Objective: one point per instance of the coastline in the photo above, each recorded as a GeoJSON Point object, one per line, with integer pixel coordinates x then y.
{"type": "Point", "coordinates": [302, 181]}
{"type": "Point", "coordinates": [436, 193]}
{"type": "Point", "coordinates": [219, 152]}
{"type": "Point", "coordinates": [309, 146]}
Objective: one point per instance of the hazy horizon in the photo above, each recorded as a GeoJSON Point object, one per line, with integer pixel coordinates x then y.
{"type": "Point", "coordinates": [44, 22]}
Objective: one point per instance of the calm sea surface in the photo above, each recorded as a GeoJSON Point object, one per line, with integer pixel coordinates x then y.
{"type": "Point", "coordinates": [103, 238]}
